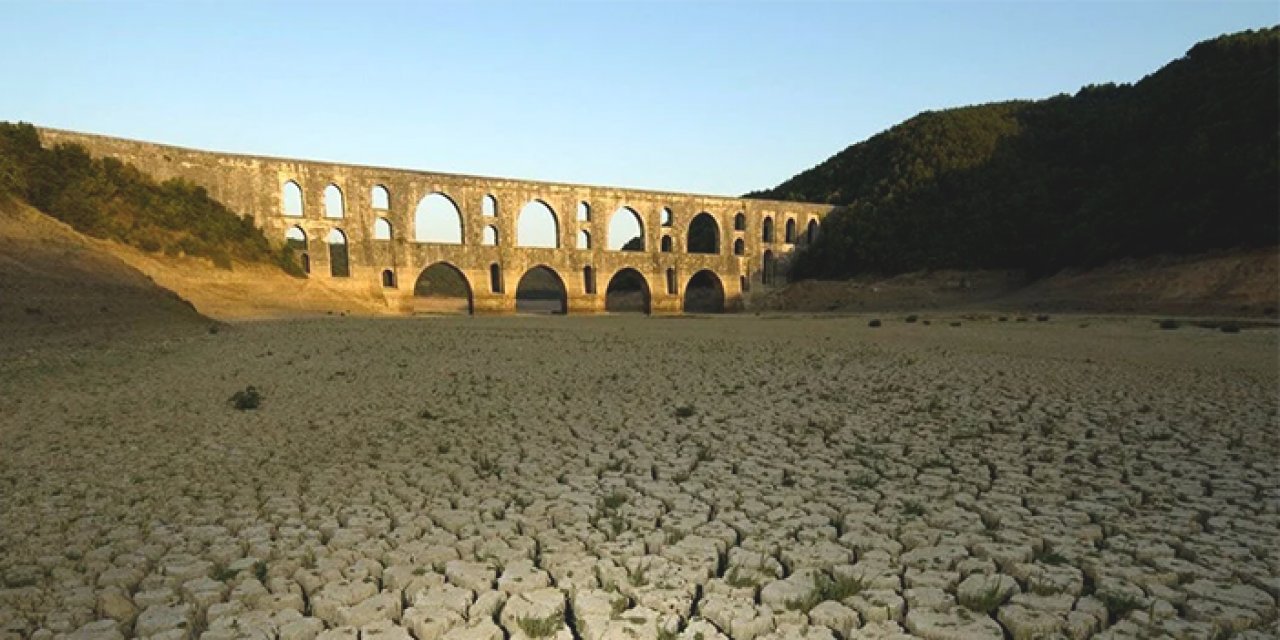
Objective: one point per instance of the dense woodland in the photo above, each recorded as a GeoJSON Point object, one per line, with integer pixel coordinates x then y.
{"type": "Point", "coordinates": [106, 198]}
{"type": "Point", "coordinates": [1185, 160]}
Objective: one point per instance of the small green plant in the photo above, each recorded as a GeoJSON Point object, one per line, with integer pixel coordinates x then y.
{"type": "Point", "coordinates": [874, 323]}
{"type": "Point", "coordinates": [827, 587]}
{"type": "Point", "coordinates": [912, 508]}
{"type": "Point", "coordinates": [738, 581]}
{"type": "Point", "coordinates": [911, 318]}
{"type": "Point", "coordinates": [986, 601]}
{"type": "Point", "coordinates": [248, 398]}
{"type": "Point", "coordinates": [639, 577]}
{"type": "Point", "coordinates": [223, 574]}
{"type": "Point", "coordinates": [1118, 604]}
{"type": "Point", "coordinates": [685, 411]}
{"type": "Point", "coordinates": [614, 500]}
{"type": "Point", "coordinates": [541, 627]}
{"type": "Point", "coordinates": [260, 571]}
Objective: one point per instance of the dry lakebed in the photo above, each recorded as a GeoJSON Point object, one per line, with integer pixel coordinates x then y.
{"type": "Point", "coordinates": [643, 478]}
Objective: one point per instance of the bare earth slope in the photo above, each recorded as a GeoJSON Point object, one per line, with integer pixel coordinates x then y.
{"type": "Point", "coordinates": [1232, 284]}
{"type": "Point", "coordinates": [56, 284]}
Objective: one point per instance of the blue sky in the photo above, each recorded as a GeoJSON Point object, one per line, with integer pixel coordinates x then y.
{"type": "Point", "coordinates": [708, 97]}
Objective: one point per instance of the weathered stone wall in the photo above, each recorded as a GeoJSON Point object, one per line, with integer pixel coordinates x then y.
{"type": "Point", "coordinates": [254, 185]}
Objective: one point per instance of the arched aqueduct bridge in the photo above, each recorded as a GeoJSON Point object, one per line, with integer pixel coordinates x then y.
{"type": "Point", "coordinates": [406, 235]}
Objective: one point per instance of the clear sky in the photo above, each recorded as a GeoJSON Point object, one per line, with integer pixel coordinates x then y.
{"type": "Point", "coordinates": [709, 97]}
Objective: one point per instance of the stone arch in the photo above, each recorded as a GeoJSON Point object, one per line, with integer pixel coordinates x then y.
{"type": "Point", "coordinates": [380, 198]}
{"type": "Point", "coordinates": [291, 199]}
{"type": "Point", "coordinates": [739, 247]}
{"type": "Point", "coordinates": [584, 212]}
{"type": "Point", "coordinates": [666, 218]}
{"type": "Point", "coordinates": [703, 235]}
{"type": "Point", "coordinates": [628, 291]}
{"type": "Point", "coordinates": [666, 244]}
{"type": "Point", "coordinates": [768, 268]}
{"type": "Point", "coordinates": [388, 279]}
{"type": "Point", "coordinates": [589, 280]}
{"type": "Point", "coordinates": [339, 258]}
{"type": "Point", "coordinates": [626, 230]}
{"type": "Point", "coordinates": [766, 231]}
{"type": "Point", "coordinates": [437, 220]}
{"type": "Point", "coordinates": [495, 278]}
{"type": "Point", "coordinates": [744, 283]}
{"type": "Point", "coordinates": [789, 236]}
{"type": "Point", "coordinates": [584, 239]}
{"type": "Point", "coordinates": [296, 239]}
{"type": "Point", "coordinates": [334, 207]}
{"type": "Point", "coordinates": [489, 206]}
{"type": "Point", "coordinates": [537, 226]}
{"type": "Point", "coordinates": [704, 293]}
{"type": "Point", "coordinates": [671, 281]}
{"type": "Point", "coordinates": [740, 222]}
{"type": "Point", "coordinates": [382, 229]}
{"type": "Point", "coordinates": [811, 231]}
{"type": "Point", "coordinates": [541, 290]}
{"type": "Point", "coordinates": [442, 288]}
{"type": "Point", "coordinates": [490, 236]}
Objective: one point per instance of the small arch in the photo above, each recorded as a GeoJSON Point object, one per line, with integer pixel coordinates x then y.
{"type": "Point", "coordinates": [295, 239]}
{"type": "Point", "coordinates": [489, 206]}
{"type": "Point", "coordinates": [628, 291]}
{"type": "Point", "coordinates": [768, 268]}
{"type": "Point", "coordinates": [380, 198]}
{"type": "Point", "coordinates": [589, 280]}
{"type": "Point", "coordinates": [626, 230]}
{"type": "Point", "coordinates": [291, 198]}
{"type": "Point", "coordinates": [740, 222]}
{"type": "Point", "coordinates": [495, 278]}
{"type": "Point", "coordinates": [442, 288]}
{"type": "Point", "coordinates": [671, 281]}
{"type": "Point", "coordinates": [766, 233]}
{"type": "Point", "coordinates": [704, 234]}
{"type": "Point", "coordinates": [333, 205]}
{"type": "Point", "coordinates": [666, 219]}
{"type": "Point", "coordinates": [811, 231]}
{"type": "Point", "coordinates": [704, 293]}
{"type": "Point", "coordinates": [437, 220]}
{"type": "Point", "coordinates": [666, 244]}
{"type": "Point", "coordinates": [541, 290]}
{"type": "Point", "coordinates": [584, 212]}
{"type": "Point", "coordinates": [739, 247]}
{"type": "Point", "coordinates": [382, 229]}
{"type": "Point", "coordinates": [744, 283]}
{"type": "Point", "coordinates": [537, 226]}
{"type": "Point", "coordinates": [584, 240]}
{"type": "Point", "coordinates": [789, 236]}
{"type": "Point", "coordinates": [388, 279]}
{"type": "Point", "coordinates": [339, 262]}
{"type": "Point", "coordinates": [490, 236]}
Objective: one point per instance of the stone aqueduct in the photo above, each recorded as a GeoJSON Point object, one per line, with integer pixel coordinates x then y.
{"type": "Point", "coordinates": [375, 223]}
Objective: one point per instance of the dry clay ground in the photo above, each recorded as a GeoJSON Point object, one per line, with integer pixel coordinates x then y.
{"type": "Point", "coordinates": [643, 478]}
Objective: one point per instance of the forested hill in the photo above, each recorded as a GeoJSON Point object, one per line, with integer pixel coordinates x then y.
{"type": "Point", "coordinates": [1185, 160]}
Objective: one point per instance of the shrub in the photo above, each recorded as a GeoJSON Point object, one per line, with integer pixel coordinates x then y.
{"type": "Point", "coordinates": [1169, 324]}
{"type": "Point", "coordinates": [247, 399]}
{"type": "Point", "coordinates": [1229, 328]}
{"type": "Point", "coordinates": [911, 318]}
{"type": "Point", "coordinates": [685, 411]}
{"type": "Point", "coordinates": [874, 323]}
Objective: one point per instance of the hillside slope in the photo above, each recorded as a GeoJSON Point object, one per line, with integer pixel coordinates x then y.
{"type": "Point", "coordinates": [1182, 162]}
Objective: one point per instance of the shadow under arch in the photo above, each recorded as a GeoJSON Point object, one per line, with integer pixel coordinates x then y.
{"type": "Point", "coordinates": [442, 288]}
{"type": "Point", "coordinates": [704, 293]}
{"type": "Point", "coordinates": [628, 292]}
{"type": "Point", "coordinates": [541, 290]}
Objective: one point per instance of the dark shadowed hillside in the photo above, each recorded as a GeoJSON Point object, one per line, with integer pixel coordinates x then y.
{"type": "Point", "coordinates": [1183, 161]}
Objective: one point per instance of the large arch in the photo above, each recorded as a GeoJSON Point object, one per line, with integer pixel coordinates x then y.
{"type": "Point", "coordinates": [339, 258]}
{"type": "Point", "coordinates": [437, 220]}
{"type": "Point", "coordinates": [704, 293]}
{"type": "Point", "coordinates": [537, 226]}
{"type": "Point", "coordinates": [541, 290]}
{"type": "Point", "coordinates": [442, 288]}
{"type": "Point", "coordinates": [628, 291]}
{"type": "Point", "coordinates": [291, 199]}
{"type": "Point", "coordinates": [626, 230]}
{"type": "Point", "coordinates": [704, 234]}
